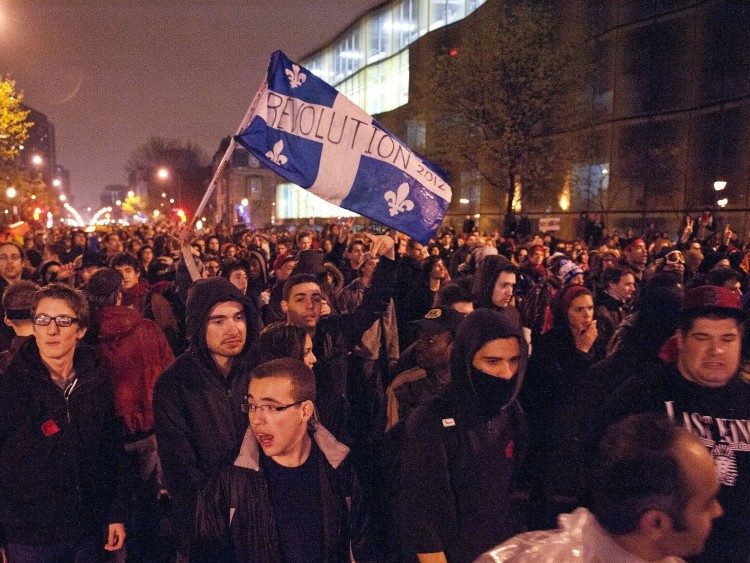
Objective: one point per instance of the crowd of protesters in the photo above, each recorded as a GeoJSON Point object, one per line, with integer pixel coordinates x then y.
{"type": "Point", "coordinates": [335, 395]}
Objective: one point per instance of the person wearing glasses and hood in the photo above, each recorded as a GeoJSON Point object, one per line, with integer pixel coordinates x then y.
{"type": "Point", "coordinates": [461, 452]}
{"type": "Point", "coordinates": [291, 494]}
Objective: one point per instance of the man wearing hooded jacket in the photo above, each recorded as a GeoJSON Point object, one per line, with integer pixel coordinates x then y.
{"type": "Point", "coordinates": [197, 400]}
{"type": "Point", "coordinates": [462, 450]}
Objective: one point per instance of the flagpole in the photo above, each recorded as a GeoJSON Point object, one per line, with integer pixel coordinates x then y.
{"type": "Point", "coordinates": [228, 154]}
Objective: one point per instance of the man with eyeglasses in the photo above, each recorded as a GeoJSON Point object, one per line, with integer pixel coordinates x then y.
{"type": "Point", "coordinates": [291, 494]}
{"type": "Point", "coordinates": [61, 457]}
{"type": "Point", "coordinates": [197, 417]}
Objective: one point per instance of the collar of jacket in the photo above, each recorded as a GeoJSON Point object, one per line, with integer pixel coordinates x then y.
{"type": "Point", "coordinates": [28, 358]}
{"type": "Point", "coordinates": [335, 451]}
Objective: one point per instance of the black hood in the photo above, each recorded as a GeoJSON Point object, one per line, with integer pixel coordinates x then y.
{"type": "Point", "coordinates": [485, 277]}
{"type": "Point", "coordinates": [201, 298]}
{"type": "Point", "coordinates": [476, 330]}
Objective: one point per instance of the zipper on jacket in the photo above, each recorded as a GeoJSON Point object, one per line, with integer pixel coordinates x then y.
{"type": "Point", "coordinates": [66, 394]}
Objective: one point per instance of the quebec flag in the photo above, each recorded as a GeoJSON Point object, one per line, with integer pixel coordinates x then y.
{"type": "Point", "coordinates": [307, 132]}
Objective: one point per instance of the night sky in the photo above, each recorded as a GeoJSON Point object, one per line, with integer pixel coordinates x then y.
{"type": "Point", "coordinates": [111, 73]}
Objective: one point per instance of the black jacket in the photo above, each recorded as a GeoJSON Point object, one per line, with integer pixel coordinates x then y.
{"type": "Point", "coordinates": [719, 419]}
{"type": "Point", "coordinates": [61, 457]}
{"type": "Point", "coordinates": [198, 417]}
{"type": "Point", "coordinates": [458, 463]}
{"type": "Point", "coordinates": [336, 335]}
{"type": "Point", "coordinates": [235, 520]}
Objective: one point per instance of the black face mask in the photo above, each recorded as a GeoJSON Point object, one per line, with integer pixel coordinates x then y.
{"type": "Point", "coordinates": [492, 392]}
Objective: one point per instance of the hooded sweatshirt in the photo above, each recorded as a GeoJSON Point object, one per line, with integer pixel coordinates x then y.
{"type": "Point", "coordinates": [461, 452]}
{"type": "Point", "coordinates": [197, 411]}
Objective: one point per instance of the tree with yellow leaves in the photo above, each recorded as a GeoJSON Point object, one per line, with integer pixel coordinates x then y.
{"type": "Point", "coordinates": [14, 127]}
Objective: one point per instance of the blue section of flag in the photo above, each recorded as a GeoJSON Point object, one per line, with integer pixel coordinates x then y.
{"type": "Point", "coordinates": [368, 197]}
{"type": "Point", "coordinates": [301, 168]}
{"type": "Point", "coordinates": [313, 90]}
{"type": "Point", "coordinates": [380, 189]}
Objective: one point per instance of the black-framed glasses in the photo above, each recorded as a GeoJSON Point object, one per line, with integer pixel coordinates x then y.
{"type": "Point", "coordinates": [60, 320]}
{"type": "Point", "coordinates": [251, 408]}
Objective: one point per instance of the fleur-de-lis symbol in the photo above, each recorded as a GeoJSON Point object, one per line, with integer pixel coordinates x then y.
{"type": "Point", "coordinates": [296, 78]}
{"type": "Point", "coordinates": [397, 202]}
{"type": "Point", "coordinates": [275, 155]}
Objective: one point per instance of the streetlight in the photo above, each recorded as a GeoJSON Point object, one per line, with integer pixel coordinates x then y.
{"type": "Point", "coordinates": [162, 173]}
{"type": "Point", "coordinates": [131, 193]}
{"type": "Point", "coordinates": [244, 202]}
{"type": "Point", "coordinates": [56, 182]}
{"type": "Point", "coordinates": [37, 160]}
{"type": "Point", "coordinates": [722, 202]}
{"type": "Point", "coordinates": [720, 185]}
{"type": "Point", "coordinates": [118, 202]}
{"type": "Point", "coordinates": [63, 197]}
{"type": "Point", "coordinates": [11, 192]}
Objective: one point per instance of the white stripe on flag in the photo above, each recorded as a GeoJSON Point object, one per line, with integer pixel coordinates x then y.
{"type": "Point", "coordinates": [342, 150]}
{"type": "Point", "coordinates": [338, 168]}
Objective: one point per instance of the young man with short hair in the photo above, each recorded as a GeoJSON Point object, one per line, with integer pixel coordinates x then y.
{"type": "Point", "coordinates": [17, 300]}
{"type": "Point", "coordinates": [291, 491]}
{"type": "Point", "coordinates": [61, 458]}
{"type": "Point", "coordinates": [654, 499]}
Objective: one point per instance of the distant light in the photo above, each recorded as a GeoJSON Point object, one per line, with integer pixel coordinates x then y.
{"type": "Point", "coordinates": [162, 173]}
{"type": "Point", "coordinates": [454, 52]}
{"type": "Point", "coordinates": [720, 185]}
{"type": "Point", "coordinates": [463, 200]}
{"type": "Point", "coordinates": [605, 171]}
{"type": "Point", "coordinates": [203, 219]}
{"type": "Point", "coordinates": [722, 202]}
{"type": "Point", "coordinates": [199, 225]}
{"type": "Point", "coordinates": [33, 196]}
{"type": "Point", "coordinates": [163, 194]}
{"type": "Point", "coordinates": [477, 216]}
{"type": "Point", "coordinates": [88, 209]}
{"type": "Point", "coordinates": [156, 212]}
{"type": "Point", "coordinates": [245, 202]}
{"type": "Point", "coordinates": [11, 192]}
{"type": "Point", "coordinates": [36, 160]}
{"type": "Point", "coordinates": [63, 197]}
{"type": "Point", "coordinates": [171, 200]}
{"type": "Point", "coordinates": [131, 193]}
{"type": "Point", "coordinates": [57, 182]}
{"type": "Point", "coordinates": [118, 202]}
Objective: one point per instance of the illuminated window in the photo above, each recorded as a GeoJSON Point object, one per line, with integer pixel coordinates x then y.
{"type": "Point", "coordinates": [347, 56]}
{"type": "Point", "coordinates": [380, 33]}
{"type": "Point", "coordinates": [293, 202]}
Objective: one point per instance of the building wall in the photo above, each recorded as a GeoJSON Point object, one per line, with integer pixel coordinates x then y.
{"type": "Point", "coordinates": [670, 98]}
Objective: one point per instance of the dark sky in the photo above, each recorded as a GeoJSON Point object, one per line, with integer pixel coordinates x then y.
{"type": "Point", "coordinates": [111, 73]}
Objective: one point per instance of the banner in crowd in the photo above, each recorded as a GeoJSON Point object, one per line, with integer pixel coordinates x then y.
{"type": "Point", "coordinates": [307, 132]}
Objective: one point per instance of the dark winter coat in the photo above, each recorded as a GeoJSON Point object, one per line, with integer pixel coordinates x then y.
{"type": "Point", "coordinates": [61, 456]}
{"type": "Point", "coordinates": [197, 411]}
{"type": "Point", "coordinates": [719, 419]}
{"type": "Point", "coordinates": [336, 335]}
{"type": "Point", "coordinates": [549, 398]}
{"type": "Point", "coordinates": [235, 520]}
{"type": "Point", "coordinates": [609, 314]}
{"type": "Point", "coordinates": [458, 466]}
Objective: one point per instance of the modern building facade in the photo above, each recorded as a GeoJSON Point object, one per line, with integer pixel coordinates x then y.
{"type": "Point", "coordinates": [669, 98]}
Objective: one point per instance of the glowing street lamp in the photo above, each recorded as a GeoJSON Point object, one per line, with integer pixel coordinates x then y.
{"type": "Point", "coordinates": [56, 182]}
{"type": "Point", "coordinates": [720, 185]}
{"type": "Point", "coordinates": [244, 202]}
{"type": "Point", "coordinates": [162, 173]}
{"type": "Point", "coordinates": [722, 202]}
{"type": "Point", "coordinates": [131, 193]}
{"type": "Point", "coordinates": [37, 160]}
{"type": "Point", "coordinates": [63, 197]}
{"type": "Point", "coordinates": [11, 192]}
